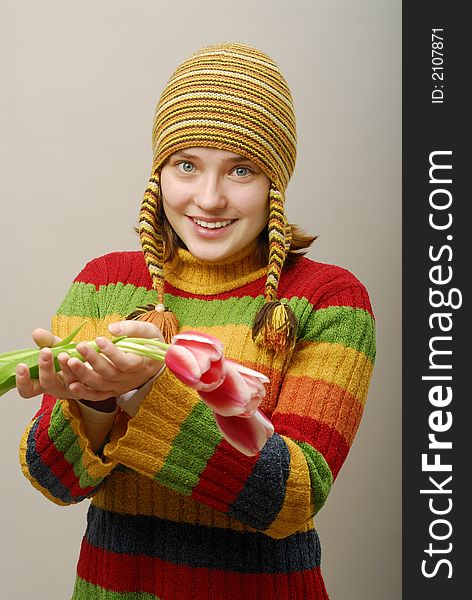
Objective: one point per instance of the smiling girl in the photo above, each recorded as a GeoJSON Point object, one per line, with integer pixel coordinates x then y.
{"type": "Point", "coordinates": [176, 512]}
{"type": "Point", "coordinates": [214, 200]}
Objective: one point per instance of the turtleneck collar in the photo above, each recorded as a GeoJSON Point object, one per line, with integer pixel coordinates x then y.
{"type": "Point", "coordinates": [190, 274]}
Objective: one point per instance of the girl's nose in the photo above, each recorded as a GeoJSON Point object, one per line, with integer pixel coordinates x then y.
{"type": "Point", "coordinates": [210, 194]}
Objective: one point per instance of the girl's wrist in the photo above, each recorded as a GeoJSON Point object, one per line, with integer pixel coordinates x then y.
{"type": "Point", "coordinates": [97, 422]}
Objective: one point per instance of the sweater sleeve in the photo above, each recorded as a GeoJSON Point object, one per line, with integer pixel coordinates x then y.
{"type": "Point", "coordinates": [173, 438]}
{"type": "Point", "coordinates": [55, 453]}
{"type": "Point", "coordinates": [322, 400]}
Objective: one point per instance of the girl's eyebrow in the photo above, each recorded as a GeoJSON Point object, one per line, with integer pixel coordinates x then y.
{"type": "Point", "coordinates": [237, 158]}
{"type": "Point", "coordinates": [183, 154]}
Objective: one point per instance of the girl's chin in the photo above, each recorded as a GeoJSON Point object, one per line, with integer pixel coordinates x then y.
{"type": "Point", "coordinates": [212, 251]}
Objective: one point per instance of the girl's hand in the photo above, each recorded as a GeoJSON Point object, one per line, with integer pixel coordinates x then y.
{"type": "Point", "coordinates": [111, 372]}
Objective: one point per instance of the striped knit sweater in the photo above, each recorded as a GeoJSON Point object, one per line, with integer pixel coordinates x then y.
{"type": "Point", "coordinates": [176, 512]}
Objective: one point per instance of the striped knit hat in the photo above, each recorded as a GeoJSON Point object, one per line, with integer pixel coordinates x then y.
{"type": "Point", "coordinates": [232, 97]}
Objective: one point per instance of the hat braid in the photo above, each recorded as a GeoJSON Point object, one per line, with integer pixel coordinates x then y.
{"type": "Point", "coordinates": [277, 243]}
{"type": "Point", "coordinates": [275, 325]}
{"type": "Point", "coordinates": [152, 243]}
{"type": "Point", "coordinates": [150, 232]}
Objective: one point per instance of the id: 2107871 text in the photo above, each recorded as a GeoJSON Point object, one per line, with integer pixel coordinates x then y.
{"type": "Point", "coordinates": [437, 65]}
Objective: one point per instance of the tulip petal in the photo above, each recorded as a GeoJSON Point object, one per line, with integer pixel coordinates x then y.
{"type": "Point", "coordinates": [204, 370]}
{"type": "Point", "coordinates": [248, 435]}
{"type": "Point", "coordinates": [201, 347]}
{"type": "Point", "coordinates": [204, 355]}
{"type": "Point", "coordinates": [246, 371]}
{"type": "Point", "coordinates": [231, 397]}
{"type": "Point", "coordinates": [201, 338]}
{"type": "Point", "coordinates": [183, 364]}
{"type": "Point", "coordinates": [213, 377]}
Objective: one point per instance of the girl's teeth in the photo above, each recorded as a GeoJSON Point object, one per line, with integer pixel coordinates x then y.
{"type": "Point", "coordinates": [214, 225]}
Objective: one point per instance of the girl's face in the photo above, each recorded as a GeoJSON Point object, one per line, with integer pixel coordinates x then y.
{"type": "Point", "coordinates": [216, 201]}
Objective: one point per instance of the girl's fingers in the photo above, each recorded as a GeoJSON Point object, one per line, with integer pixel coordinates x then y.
{"type": "Point", "coordinates": [27, 387]}
{"type": "Point", "coordinates": [123, 361]}
{"type": "Point", "coordinates": [84, 392]}
{"type": "Point", "coordinates": [99, 367]}
{"type": "Point", "coordinates": [63, 385]}
{"type": "Point", "coordinates": [44, 338]}
{"type": "Point", "coordinates": [83, 374]}
{"type": "Point", "coordinates": [97, 375]}
{"type": "Point", "coordinates": [49, 380]}
{"type": "Point", "coordinates": [68, 375]}
{"type": "Point", "coordinates": [142, 329]}
{"type": "Point", "coordinates": [78, 388]}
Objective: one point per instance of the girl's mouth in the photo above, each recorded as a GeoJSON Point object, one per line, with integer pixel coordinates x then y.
{"type": "Point", "coordinates": [213, 229]}
{"type": "Point", "coordinates": [212, 224]}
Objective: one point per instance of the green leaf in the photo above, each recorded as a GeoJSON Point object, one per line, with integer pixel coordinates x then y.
{"type": "Point", "coordinates": [5, 356]}
{"type": "Point", "coordinates": [17, 356]}
{"type": "Point", "coordinates": [7, 385]}
{"type": "Point", "coordinates": [8, 368]}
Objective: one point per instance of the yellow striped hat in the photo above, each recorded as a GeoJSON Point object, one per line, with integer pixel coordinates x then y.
{"type": "Point", "coordinates": [233, 97]}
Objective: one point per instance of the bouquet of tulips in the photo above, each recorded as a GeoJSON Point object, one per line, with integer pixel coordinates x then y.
{"type": "Point", "coordinates": [233, 392]}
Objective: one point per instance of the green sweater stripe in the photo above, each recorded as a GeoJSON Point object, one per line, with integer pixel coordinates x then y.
{"type": "Point", "coordinates": [80, 301]}
{"type": "Point", "coordinates": [66, 442]}
{"type": "Point", "coordinates": [195, 312]}
{"type": "Point", "coordinates": [122, 299]}
{"type": "Point", "coordinates": [320, 474]}
{"type": "Point", "coordinates": [351, 327]}
{"type": "Point", "coordinates": [83, 299]}
{"type": "Point", "coordinates": [183, 467]}
{"type": "Point", "coordinates": [84, 591]}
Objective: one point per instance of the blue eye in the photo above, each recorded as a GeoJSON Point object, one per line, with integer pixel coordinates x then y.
{"type": "Point", "coordinates": [241, 171]}
{"type": "Point", "coordinates": [187, 167]}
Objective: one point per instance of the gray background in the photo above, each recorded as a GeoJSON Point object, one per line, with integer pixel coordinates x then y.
{"type": "Point", "coordinates": [79, 86]}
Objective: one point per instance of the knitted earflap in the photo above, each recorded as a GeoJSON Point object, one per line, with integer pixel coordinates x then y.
{"type": "Point", "coordinates": [150, 233]}
{"type": "Point", "coordinates": [275, 325]}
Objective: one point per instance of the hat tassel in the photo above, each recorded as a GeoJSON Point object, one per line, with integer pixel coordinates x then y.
{"type": "Point", "coordinates": [158, 315]}
{"type": "Point", "coordinates": [275, 326]}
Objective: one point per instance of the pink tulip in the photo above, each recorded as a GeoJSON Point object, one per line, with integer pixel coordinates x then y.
{"type": "Point", "coordinates": [248, 435]}
{"type": "Point", "coordinates": [197, 360]}
{"type": "Point", "coordinates": [232, 391]}
{"type": "Point", "coordinates": [240, 393]}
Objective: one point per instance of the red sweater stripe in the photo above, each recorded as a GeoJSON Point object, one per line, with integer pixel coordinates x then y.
{"type": "Point", "coordinates": [123, 572]}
